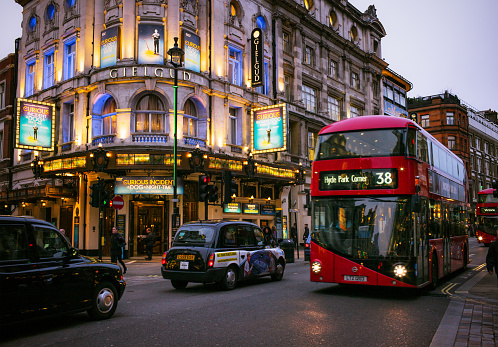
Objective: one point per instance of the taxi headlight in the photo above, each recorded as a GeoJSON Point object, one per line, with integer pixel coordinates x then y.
{"type": "Point", "coordinates": [316, 267]}
{"type": "Point", "coordinates": [399, 270]}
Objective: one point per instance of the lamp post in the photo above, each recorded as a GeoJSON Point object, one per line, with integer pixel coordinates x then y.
{"type": "Point", "coordinates": [175, 53]}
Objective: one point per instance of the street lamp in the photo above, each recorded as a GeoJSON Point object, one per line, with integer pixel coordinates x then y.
{"type": "Point", "coordinates": [175, 54]}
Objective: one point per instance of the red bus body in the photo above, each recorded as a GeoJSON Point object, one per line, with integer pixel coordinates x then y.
{"type": "Point", "coordinates": [487, 216]}
{"type": "Point", "coordinates": [428, 237]}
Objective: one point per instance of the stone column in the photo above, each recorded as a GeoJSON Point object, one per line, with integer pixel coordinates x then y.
{"type": "Point", "coordinates": [172, 25]}
{"type": "Point", "coordinates": [298, 56]}
{"type": "Point", "coordinates": [99, 26]}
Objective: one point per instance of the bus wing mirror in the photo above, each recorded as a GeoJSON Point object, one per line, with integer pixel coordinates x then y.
{"type": "Point", "coordinates": [416, 203]}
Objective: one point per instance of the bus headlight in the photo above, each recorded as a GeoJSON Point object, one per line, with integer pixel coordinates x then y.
{"type": "Point", "coordinates": [399, 270]}
{"type": "Point", "coordinates": [316, 267]}
{"type": "Point", "coordinates": [480, 238]}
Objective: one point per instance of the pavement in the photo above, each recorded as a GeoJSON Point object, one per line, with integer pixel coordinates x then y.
{"type": "Point", "coordinates": [471, 318]}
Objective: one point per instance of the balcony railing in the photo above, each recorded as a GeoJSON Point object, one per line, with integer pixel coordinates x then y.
{"type": "Point", "coordinates": [194, 141]}
{"type": "Point", "coordinates": [149, 138]}
{"type": "Point", "coordinates": [103, 139]}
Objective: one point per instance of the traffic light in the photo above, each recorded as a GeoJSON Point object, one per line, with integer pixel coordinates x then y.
{"type": "Point", "coordinates": [105, 198]}
{"type": "Point", "coordinates": [230, 186]}
{"type": "Point", "coordinates": [212, 194]}
{"type": "Point", "coordinates": [95, 194]}
{"type": "Point", "coordinates": [204, 187]}
{"type": "Point", "coordinates": [495, 187]}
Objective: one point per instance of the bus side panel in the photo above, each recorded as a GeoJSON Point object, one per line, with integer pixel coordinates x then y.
{"type": "Point", "coordinates": [484, 237]}
{"type": "Point", "coordinates": [436, 247]}
{"type": "Point", "coordinates": [458, 252]}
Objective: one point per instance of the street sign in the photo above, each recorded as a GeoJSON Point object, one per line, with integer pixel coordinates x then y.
{"type": "Point", "coordinates": [118, 202]}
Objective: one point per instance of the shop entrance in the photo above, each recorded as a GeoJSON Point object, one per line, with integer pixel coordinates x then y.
{"type": "Point", "coordinates": [149, 215]}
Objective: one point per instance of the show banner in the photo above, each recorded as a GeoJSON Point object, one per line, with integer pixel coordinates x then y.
{"type": "Point", "coordinates": [35, 125]}
{"type": "Point", "coordinates": [146, 185]}
{"type": "Point", "coordinates": [250, 208]}
{"type": "Point", "coordinates": [150, 44]}
{"type": "Point", "coordinates": [269, 129]}
{"type": "Point", "coordinates": [257, 55]}
{"type": "Point", "coordinates": [192, 48]}
{"type": "Point", "coordinates": [268, 210]}
{"type": "Point", "coordinates": [109, 47]}
{"type": "Point", "coordinates": [232, 207]}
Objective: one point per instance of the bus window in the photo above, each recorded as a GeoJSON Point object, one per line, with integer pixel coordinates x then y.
{"type": "Point", "coordinates": [411, 142]}
{"type": "Point", "coordinates": [422, 148]}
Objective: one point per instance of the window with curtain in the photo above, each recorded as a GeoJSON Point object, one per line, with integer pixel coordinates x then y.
{"type": "Point", "coordinates": [334, 108]}
{"type": "Point", "coordinates": [450, 118]}
{"type": "Point", "coordinates": [150, 115]}
{"type": "Point", "coordinates": [355, 111]}
{"type": "Point", "coordinates": [68, 122]}
{"type": "Point", "coordinates": [48, 70]}
{"type": "Point", "coordinates": [451, 142]}
{"type": "Point", "coordinates": [30, 79]}
{"type": "Point", "coordinates": [69, 59]}
{"type": "Point", "coordinates": [190, 119]}
{"type": "Point", "coordinates": [234, 66]}
{"type": "Point", "coordinates": [309, 98]}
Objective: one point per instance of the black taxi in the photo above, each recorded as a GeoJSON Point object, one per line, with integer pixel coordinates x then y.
{"type": "Point", "coordinates": [41, 274]}
{"type": "Point", "coordinates": [222, 252]}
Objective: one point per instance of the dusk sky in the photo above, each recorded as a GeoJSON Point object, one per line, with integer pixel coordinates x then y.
{"type": "Point", "coordinates": [437, 45]}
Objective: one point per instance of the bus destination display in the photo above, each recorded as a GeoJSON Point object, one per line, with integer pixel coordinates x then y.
{"type": "Point", "coordinates": [359, 179]}
{"type": "Point", "coordinates": [489, 209]}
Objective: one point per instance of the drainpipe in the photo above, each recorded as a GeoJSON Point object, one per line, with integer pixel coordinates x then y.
{"type": "Point", "coordinates": [11, 136]}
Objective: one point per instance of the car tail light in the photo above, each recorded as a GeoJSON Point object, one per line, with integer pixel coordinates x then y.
{"type": "Point", "coordinates": [163, 261]}
{"type": "Point", "coordinates": [211, 260]}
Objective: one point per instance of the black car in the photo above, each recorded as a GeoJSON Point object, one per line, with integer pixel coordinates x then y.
{"type": "Point", "coordinates": [41, 274]}
{"type": "Point", "coordinates": [222, 252]}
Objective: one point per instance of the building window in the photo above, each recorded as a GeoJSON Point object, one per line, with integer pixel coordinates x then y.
{"type": "Point", "coordinates": [32, 23]}
{"type": "Point", "coordinates": [396, 96]}
{"type": "Point", "coordinates": [486, 168]}
{"type": "Point", "coordinates": [375, 87]}
{"type": "Point", "coordinates": [68, 122]}
{"type": "Point", "coordinates": [354, 34]}
{"type": "Point", "coordinates": [48, 70]}
{"type": "Point", "coordinates": [424, 120]}
{"type": "Point", "coordinates": [190, 119]}
{"type": "Point", "coordinates": [390, 93]}
{"type": "Point", "coordinates": [1, 144]}
{"type": "Point", "coordinates": [30, 79]}
{"type": "Point", "coordinates": [478, 143]}
{"type": "Point", "coordinates": [355, 80]}
{"type": "Point", "coordinates": [234, 66]}
{"type": "Point", "coordinates": [70, 3]}
{"type": "Point", "coordinates": [309, 98]}
{"type": "Point", "coordinates": [451, 142]}
{"type": "Point", "coordinates": [486, 147]}
{"type": "Point", "coordinates": [2, 95]}
{"type": "Point", "coordinates": [287, 87]}
{"type": "Point", "coordinates": [49, 14]}
{"type": "Point", "coordinates": [333, 19]}
{"type": "Point", "coordinates": [334, 108]}
{"type": "Point", "coordinates": [472, 162]}
{"type": "Point", "coordinates": [265, 88]}
{"type": "Point", "coordinates": [479, 164]}
{"type": "Point", "coordinates": [311, 145]}
{"type": "Point", "coordinates": [308, 4]}
{"type": "Point", "coordinates": [354, 111]}
{"type": "Point", "coordinates": [286, 41]}
{"type": "Point", "coordinates": [234, 133]}
{"type": "Point", "coordinates": [261, 23]}
{"type": "Point", "coordinates": [402, 99]}
{"type": "Point", "coordinates": [69, 59]}
{"type": "Point", "coordinates": [309, 56]}
{"type": "Point", "coordinates": [150, 115]}
{"type": "Point", "coordinates": [333, 69]}
{"type": "Point", "coordinates": [450, 118]}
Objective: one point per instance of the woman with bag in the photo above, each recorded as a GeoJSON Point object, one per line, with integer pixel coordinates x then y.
{"type": "Point", "coordinates": [117, 244]}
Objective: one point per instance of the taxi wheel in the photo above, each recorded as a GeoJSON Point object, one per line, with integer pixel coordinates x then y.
{"type": "Point", "coordinates": [104, 301]}
{"type": "Point", "coordinates": [230, 280]}
{"type": "Point", "coordinates": [179, 284]}
{"type": "Point", "coordinates": [279, 273]}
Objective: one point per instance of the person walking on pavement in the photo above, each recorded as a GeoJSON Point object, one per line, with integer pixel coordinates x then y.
{"type": "Point", "coordinates": [150, 239]}
{"type": "Point", "coordinates": [294, 234]}
{"type": "Point", "coordinates": [117, 244]}
{"type": "Point", "coordinates": [492, 258]}
{"type": "Point", "coordinates": [306, 232]}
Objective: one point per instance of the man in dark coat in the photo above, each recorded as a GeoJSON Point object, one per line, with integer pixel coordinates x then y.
{"type": "Point", "coordinates": [492, 257]}
{"type": "Point", "coordinates": [293, 234]}
{"type": "Point", "coordinates": [150, 239]}
{"type": "Point", "coordinates": [117, 249]}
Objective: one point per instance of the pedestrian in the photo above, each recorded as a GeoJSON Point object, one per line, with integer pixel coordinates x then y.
{"type": "Point", "coordinates": [306, 232]}
{"type": "Point", "coordinates": [63, 232]}
{"type": "Point", "coordinates": [294, 234]}
{"type": "Point", "coordinates": [150, 239]}
{"type": "Point", "coordinates": [269, 241]}
{"type": "Point", "coordinates": [117, 244]}
{"type": "Point", "coordinates": [274, 231]}
{"type": "Point", "coordinates": [492, 258]}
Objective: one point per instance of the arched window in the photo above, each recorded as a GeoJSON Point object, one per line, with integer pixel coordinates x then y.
{"type": "Point", "coordinates": [333, 19]}
{"type": "Point", "coordinates": [150, 115]}
{"type": "Point", "coordinates": [104, 116]}
{"type": "Point", "coordinates": [32, 23]}
{"type": "Point", "coordinates": [309, 4]}
{"type": "Point", "coordinates": [190, 119]}
{"type": "Point", "coordinates": [49, 14]}
{"type": "Point", "coordinates": [354, 34]}
{"type": "Point", "coordinates": [261, 22]}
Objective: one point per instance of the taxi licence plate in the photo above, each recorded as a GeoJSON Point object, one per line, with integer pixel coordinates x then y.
{"type": "Point", "coordinates": [184, 265]}
{"type": "Point", "coordinates": [355, 278]}
{"type": "Point", "coordinates": [185, 257]}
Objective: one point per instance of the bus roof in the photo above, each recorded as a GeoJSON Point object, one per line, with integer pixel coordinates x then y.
{"type": "Point", "coordinates": [486, 191]}
{"type": "Point", "coordinates": [367, 122]}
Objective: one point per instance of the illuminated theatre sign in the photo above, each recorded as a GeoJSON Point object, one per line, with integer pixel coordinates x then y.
{"type": "Point", "coordinates": [146, 71]}
{"type": "Point", "coordinates": [257, 63]}
{"type": "Point", "coordinates": [269, 129]}
{"type": "Point", "coordinates": [146, 185]}
{"type": "Point", "coordinates": [35, 125]}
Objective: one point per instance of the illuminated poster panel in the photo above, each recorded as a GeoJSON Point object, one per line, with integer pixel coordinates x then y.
{"type": "Point", "coordinates": [269, 129]}
{"type": "Point", "coordinates": [109, 47]}
{"type": "Point", "coordinates": [257, 63]}
{"type": "Point", "coordinates": [150, 44]}
{"type": "Point", "coordinates": [35, 125]}
{"type": "Point", "coordinates": [147, 185]}
{"type": "Point", "coordinates": [192, 48]}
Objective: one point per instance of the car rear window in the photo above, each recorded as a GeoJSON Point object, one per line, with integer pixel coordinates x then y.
{"type": "Point", "coordinates": [13, 244]}
{"type": "Point", "coordinates": [195, 234]}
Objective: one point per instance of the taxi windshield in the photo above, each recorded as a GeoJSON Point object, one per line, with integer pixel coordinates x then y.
{"type": "Point", "coordinates": [195, 234]}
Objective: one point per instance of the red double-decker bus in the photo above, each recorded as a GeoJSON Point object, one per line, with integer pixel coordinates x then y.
{"type": "Point", "coordinates": [487, 216]}
{"type": "Point", "coordinates": [389, 205]}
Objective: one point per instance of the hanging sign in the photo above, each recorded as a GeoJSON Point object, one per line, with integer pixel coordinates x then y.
{"type": "Point", "coordinates": [109, 47]}
{"type": "Point", "coordinates": [257, 58]}
{"type": "Point", "coordinates": [192, 48]}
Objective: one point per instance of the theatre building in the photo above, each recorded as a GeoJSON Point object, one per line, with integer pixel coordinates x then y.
{"type": "Point", "coordinates": [257, 82]}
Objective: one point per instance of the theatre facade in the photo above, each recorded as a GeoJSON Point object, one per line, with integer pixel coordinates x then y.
{"type": "Point", "coordinates": [100, 74]}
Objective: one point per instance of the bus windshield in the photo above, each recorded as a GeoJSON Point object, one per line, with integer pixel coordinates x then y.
{"type": "Point", "coordinates": [487, 224]}
{"type": "Point", "coordinates": [364, 227]}
{"type": "Point", "coordinates": [364, 143]}
{"type": "Point", "coordinates": [487, 198]}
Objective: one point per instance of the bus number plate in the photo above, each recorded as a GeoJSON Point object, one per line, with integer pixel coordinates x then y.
{"type": "Point", "coordinates": [355, 278]}
{"type": "Point", "coordinates": [185, 257]}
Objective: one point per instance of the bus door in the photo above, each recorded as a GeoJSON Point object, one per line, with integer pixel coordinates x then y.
{"type": "Point", "coordinates": [446, 239]}
{"type": "Point", "coordinates": [421, 236]}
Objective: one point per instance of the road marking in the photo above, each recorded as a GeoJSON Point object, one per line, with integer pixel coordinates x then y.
{"type": "Point", "coordinates": [446, 290]}
{"type": "Point", "coordinates": [131, 262]}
